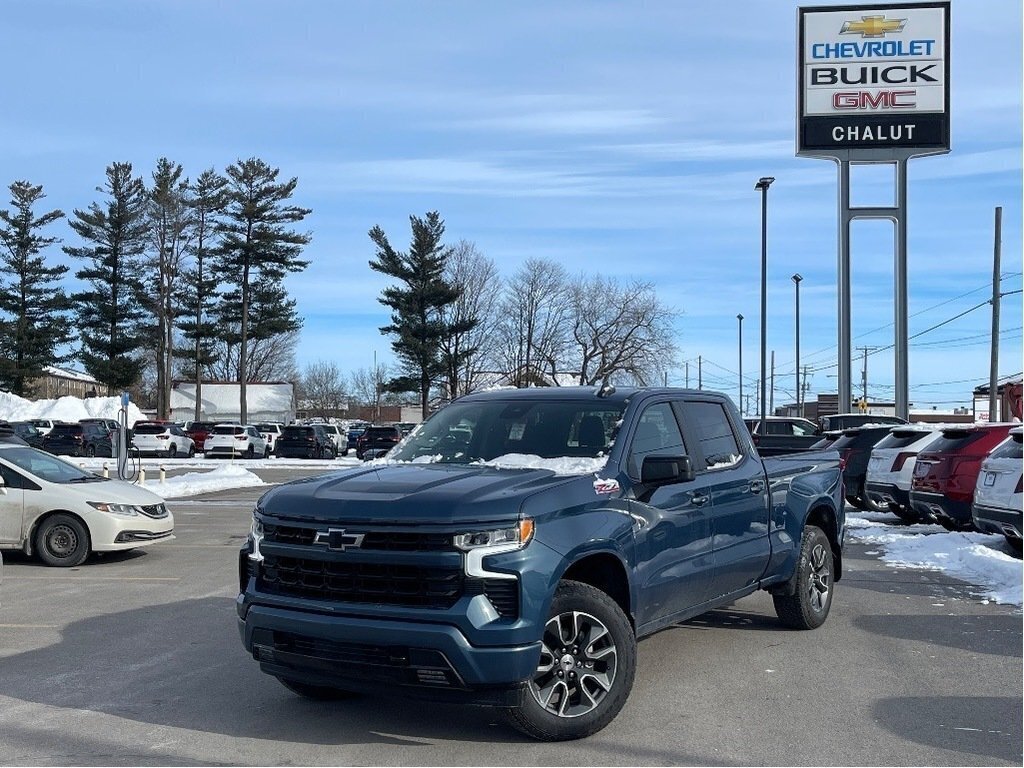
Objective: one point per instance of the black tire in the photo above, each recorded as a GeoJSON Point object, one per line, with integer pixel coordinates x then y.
{"type": "Point", "coordinates": [63, 541]}
{"type": "Point", "coordinates": [906, 515]}
{"type": "Point", "coordinates": [1015, 545]}
{"type": "Point", "coordinates": [192, 451]}
{"type": "Point", "coordinates": [315, 692]}
{"type": "Point", "coordinates": [90, 450]}
{"type": "Point", "coordinates": [172, 452]}
{"type": "Point", "coordinates": [266, 451]}
{"type": "Point", "coordinates": [808, 606]}
{"type": "Point", "coordinates": [583, 686]}
{"type": "Point", "coordinates": [250, 452]}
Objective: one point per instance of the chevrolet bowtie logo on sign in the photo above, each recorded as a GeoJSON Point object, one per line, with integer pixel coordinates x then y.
{"type": "Point", "coordinates": [337, 540]}
{"type": "Point", "coordinates": [872, 26]}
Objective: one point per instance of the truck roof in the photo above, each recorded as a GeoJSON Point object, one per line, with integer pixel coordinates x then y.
{"type": "Point", "coordinates": [617, 395]}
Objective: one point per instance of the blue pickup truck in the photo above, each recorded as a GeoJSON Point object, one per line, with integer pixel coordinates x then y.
{"type": "Point", "coordinates": [511, 551]}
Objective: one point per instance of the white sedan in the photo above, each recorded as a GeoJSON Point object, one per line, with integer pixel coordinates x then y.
{"type": "Point", "coordinates": [62, 513]}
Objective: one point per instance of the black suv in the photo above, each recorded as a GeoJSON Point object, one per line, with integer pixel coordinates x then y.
{"type": "Point", "coordinates": [376, 441]}
{"type": "Point", "coordinates": [305, 442]}
{"type": "Point", "coordinates": [78, 440]}
{"type": "Point", "coordinates": [27, 431]}
{"type": "Point", "coordinates": [854, 446]}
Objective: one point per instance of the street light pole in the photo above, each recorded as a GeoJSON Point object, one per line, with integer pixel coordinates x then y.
{"type": "Point", "coordinates": [796, 281]}
{"type": "Point", "coordinates": [740, 318]}
{"type": "Point", "coordinates": [762, 184]}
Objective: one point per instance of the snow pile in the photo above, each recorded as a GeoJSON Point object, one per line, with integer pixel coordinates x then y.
{"type": "Point", "coordinates": [192, 483]}
{"type": "Point", "coordinates": [563, 465]}
{"type": "Point", "coordinates": [980, 559]}
{"type": "Point", "coordinates": [71, 409]}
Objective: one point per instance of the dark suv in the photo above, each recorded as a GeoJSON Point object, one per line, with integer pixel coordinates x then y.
{"type": "Point", "coordinates": [27, 432]}
{"type": "Point", "coordinates": [78, 440]}
{"type": "Point", "coordinates": [305, 442]}
{"type": "Point", "coordinates": [376, 441]}
{"type": "Point", "coordinates": [945, 475]}
{"type": "Point", "coordinates": [854, 447]}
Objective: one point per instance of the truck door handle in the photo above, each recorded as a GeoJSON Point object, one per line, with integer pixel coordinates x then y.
{"type": "Point", "coordinates": [756, 486]}
{"type": "Point", "coordinates": [699, 500]}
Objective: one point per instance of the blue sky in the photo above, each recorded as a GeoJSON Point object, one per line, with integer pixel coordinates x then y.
{"type": "Point", "coordinates": [616, 137]}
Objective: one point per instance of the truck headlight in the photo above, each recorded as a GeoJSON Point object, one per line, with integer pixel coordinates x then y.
{"type": "Point", "coordinates": [507, 539]}
{"type": "Point", "coordinates": [256, 537]}
{"type": "Point", "coordinates": [126, 510]}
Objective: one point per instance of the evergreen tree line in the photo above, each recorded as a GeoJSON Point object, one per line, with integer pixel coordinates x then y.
{"type": "Point", "coordinates": [179, 274]}
{"type": "Point", "coordinates": [457, 326]}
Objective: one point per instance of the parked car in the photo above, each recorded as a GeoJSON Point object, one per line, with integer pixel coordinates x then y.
{"type": "Point", "coordinates": [270, 432]}
{"type": "Point", "coordinates": [947, 473]}
{"type": "Point", "coordinates": [44, 425]}
{"type": "Point", "coordinates": [159, 439]}
{"type": "Point", "coordinates": [405, 427]}
{"type": "Point", "coordinates": [199, 431]}
{"type": "Point", "coordinates": [338, 439]}
{"type": "Point", "coordinates": [848, 420]}
{"type": "Point", "coordinates": [854, 446]}
{"type": "Point", "coordinates": [28, 432]}
{"type": "Point", "coordinates": [113, 427]}
{"type": "Point", "coordinates": [526, 585]}
{"type": "Point", "coordinates": [305, 442]}
{"type": "Point", "coordinates": [352, 438]}
{"type": "Point", "coordinates": [376, 441]}
{"type": "Point", "coordinates": [236, 440]}
{"type": "Point", "coordinates": [783, 434]}
{"type": "Point", "coordinates": [891, 467]}
{"type": "Point", "coordinates": [51, 508]}
{"type": "Point", "coordinates": [997, 496]}
{"type": "Point", "coordinates": [78, 440]}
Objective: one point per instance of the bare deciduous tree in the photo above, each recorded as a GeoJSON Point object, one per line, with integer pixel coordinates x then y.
{"type": "Point", "coordinates": [618, 331]}
{"type": "Point", "coordinates": [269, 359]}
{"type": "Point", "coordinates": [534, 328]}
{"type": "Point", "coordinates": [464, 353]}
{"type": "Point", "coordinates": [324, 389]}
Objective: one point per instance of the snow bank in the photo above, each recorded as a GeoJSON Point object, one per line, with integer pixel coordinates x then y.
{"type": "Point", "coordinates": [192, 483]}
{"type": "Point", "coordinates": [564, 465]}
{"type": "Point", "coordinates": [980, 559]}
{"type": "Point", "coordinates": [14, 408]}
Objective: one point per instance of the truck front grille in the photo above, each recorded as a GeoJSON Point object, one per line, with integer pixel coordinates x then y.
{"type": "Point", "coordinates": [388, 541]}
{"type": "Point", "coordinates": [381, 583]}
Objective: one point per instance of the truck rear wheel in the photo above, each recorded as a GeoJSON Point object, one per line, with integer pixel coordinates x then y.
{"type": "Point", "coordinates": [808, 606]}
{"type": "Point", "coordinates": [586, 668]}
{"type": "Point", "coordinates": [315, 692]}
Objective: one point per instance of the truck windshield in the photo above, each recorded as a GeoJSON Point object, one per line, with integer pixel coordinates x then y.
{"type": "Point", "coordinates": [550, 429]}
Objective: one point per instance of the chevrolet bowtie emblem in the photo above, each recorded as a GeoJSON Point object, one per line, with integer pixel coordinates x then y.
{"type": "Point", "coordinates": [872, 26]}
{"type": "Point", "coordinates": [338, 540]}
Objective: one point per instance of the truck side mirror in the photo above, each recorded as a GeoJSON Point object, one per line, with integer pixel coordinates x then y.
{"type": "Point", "coordinates": [665, 470]}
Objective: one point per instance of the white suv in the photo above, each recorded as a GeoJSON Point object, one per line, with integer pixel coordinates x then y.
{"type": "Point", "coordinates": [159, 439]}
{"type": "Point", "coordinates": [61, 513]}
{"type": "Point", "coordinates": [339, 438]}
{"type": "Point", "coordinates": [891, 467]}
{"type": "Point", "coordinates": [236, 440]}
{"type": "Point", "coordinates": [270, 432]}
{"type": "Point", "coordinates": [998, 496]}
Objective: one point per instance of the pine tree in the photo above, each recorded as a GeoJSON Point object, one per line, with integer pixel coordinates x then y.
{"type": "Point", "coordinates": [199, 289]}
{"type": "Point", "coordinates": [257, 251]}
{"type": "Point", "coordinates": [170, 222]}
{"type": "Point", "coordinates": [416, 318]}
{"type": "Point", "coordinates": [110, 314]}
{"type": "Point", "coordinates": [33, 321]}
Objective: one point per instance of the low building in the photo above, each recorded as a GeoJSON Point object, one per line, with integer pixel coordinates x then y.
{"type": "Point", "coordinates": [61, 382]}
{"type": "Point", "coordinates": [221, 401]}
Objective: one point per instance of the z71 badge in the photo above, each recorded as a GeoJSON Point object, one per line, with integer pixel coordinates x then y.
{"type": "Point", "coordinates": [602, 486]}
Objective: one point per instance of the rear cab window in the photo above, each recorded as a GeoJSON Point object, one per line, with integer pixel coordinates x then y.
{"type": "Point", "coordinates": [716, 441]}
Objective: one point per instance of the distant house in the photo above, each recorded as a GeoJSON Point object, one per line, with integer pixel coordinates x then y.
{"type": "Point", "coordinates": [60, 382]}
{"type": "Point", "coordinates": [221, 401]}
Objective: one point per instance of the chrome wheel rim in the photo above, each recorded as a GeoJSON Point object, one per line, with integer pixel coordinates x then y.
{"type": "Point", "coordinates": [61, 541]}
{"type": "Point", "coordinates": [820, 581]}
{"type": "Point", "coordinates": [578, 661]}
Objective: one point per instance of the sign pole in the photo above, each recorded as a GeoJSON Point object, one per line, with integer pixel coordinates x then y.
{"type": "Point", "coordinates": [900, 319]}
{"type": "Point", "coordinates": [843, 272]}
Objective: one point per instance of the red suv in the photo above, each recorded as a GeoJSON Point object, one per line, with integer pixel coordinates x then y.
{"type": "Point", "coordinates": [199, 431]}
{"type": "Point", "coordinates": [945, 475]}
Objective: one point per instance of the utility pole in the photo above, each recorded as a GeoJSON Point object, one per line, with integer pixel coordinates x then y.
{"type": "Point", "coordinates": [687, 374]}
{"type": "Point", "coordinates": [803, 394]}
{"type": "Point", "coordinates": [665, 375]}
{"type": "Point", "coordinates": [864, 375]}
{"type": "Point", "coordinates": [993, 371]}
{"type": "Point", "coordinates": [771, 396]}
{"type": "Point", "coordinates": [700, 373]}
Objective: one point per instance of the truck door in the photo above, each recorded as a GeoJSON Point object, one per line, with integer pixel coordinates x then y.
{"type": "Point", "coordinates": [12, 506]}
{"type": "Point", "coordinates": [738, 510]}
{"type": "Point", "coordinates": [673, 550]}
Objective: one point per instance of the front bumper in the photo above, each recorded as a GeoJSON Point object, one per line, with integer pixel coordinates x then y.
{"type": "Point", "coordinates": [888, 493]}
{"type": "Point", "coordinates": [426, 660]}
{"type": "Point", "coordinates": [110, 533]}
{"type": "Point", "coordinates": [996, 520]}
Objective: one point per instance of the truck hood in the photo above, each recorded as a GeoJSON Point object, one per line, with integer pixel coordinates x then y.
{"type": "Point", "coordinates": [411, 493]}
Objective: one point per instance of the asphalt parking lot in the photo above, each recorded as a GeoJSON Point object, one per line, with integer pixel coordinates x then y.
{"type": "Point", "coordinates": [134, 659]}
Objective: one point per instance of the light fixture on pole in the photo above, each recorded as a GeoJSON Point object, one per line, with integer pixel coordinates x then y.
{"type": "Point", "coordinates": [740, 318]}
{"type": "Point", "coordinates": [796, 281]}
{"type": "Point", "coordinates": [762, 185]}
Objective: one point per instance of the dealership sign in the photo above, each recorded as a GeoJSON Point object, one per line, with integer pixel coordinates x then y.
{"type": "Point", "coordinates": [873, 78]}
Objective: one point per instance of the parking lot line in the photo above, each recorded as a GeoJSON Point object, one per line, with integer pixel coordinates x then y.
{"type": "Point", "coordinates": [92, 578]}
{"type": "Point", "coordinates": [29, 626]}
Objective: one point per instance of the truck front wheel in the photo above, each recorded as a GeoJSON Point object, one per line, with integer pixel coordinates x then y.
{"type": "Point", "coordinates": [586, 668]}
{"type": "Point", "coordinates": [808, 606]}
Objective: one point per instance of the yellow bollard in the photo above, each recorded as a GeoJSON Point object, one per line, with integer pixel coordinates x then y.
{"type": "Point", "coordinates": [142, 476]}
{"type": "Point", "coordinates": [163, 474]}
